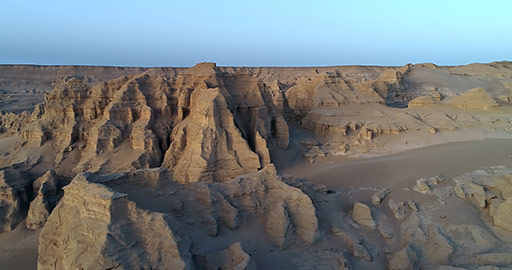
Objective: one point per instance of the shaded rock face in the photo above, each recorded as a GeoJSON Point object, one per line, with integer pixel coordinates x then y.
{"type": "Point", "coordinates": [15, 194]}
{"type": "Point", "coordinates": [95, 227]}
{"type": "Point", "coordinates": [289, 212]}
{"type": "Point", "coordinates": [48, 191]}
{"type": "Point", "coordinates": [234, 257]}
{"type": "Point", "coordinates": [107, 229]}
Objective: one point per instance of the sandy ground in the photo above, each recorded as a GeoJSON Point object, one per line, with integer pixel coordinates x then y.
{"type": "Point", "coordinates": [6, 143]}
{"type": "Point", "coordinates": [397, 170]}
{"type": "Point", "coordinates": [18, 249]}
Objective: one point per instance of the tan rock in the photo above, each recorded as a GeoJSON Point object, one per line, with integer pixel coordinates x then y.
{"type": "Point", "coordinates": [289, 212]}
{"type": "Point", "coordinates": [362, 214]}
{"type": "Point", "coordinates": [48, 190]}
{"type": "Point", "coordinates": [405, 259]}
{"type": "Point", "coordinates": [380, 195]}
{"type": "Point", "coordinates": [476, 98]}
{"type": "Point", "coordinates": [278, 226]}
{"type": "Point", "coordinates": [344, 263]}
{"type": "Point", "coordinates": [422, 101]}
{"type": "Point", "coordinates": [502, 217]}
{"type": "Point", "coordinates": [281, 132]}
{"type": "Point", "coordinates": [14, 198]}
{"type": "Point", "coordinates": [232, 258]}
{"type": "Point", "coordinates": [111, 230]}
{"type": "Point", "coordinates": [209, 134]}
{"type": "Point", "coordinates": [397, 208]}
{"type": "Point", "coordinates": [422, 186]}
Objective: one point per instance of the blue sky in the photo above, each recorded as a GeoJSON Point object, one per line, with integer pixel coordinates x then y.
{"type": "Point", "coordinates": [255, 33]}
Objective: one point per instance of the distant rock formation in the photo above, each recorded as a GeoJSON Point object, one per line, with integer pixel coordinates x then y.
{"type": "Point", "coordinates": [476, 98]}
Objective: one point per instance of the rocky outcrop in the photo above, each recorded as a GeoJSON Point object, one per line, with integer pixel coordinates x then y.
{"type": "Point", "coordinates": [405, 259]}
{"type": "Point", "coordinates": [289, 213]}
{"type": "Point", "coordinates": [422, 101]}
{"type": "Point", "coordinates": [119, 232]}
{"type": "Point", "coordinates": [424, 185]}
{"type": "Point", "coordinates": [476, 98]}
{"type": "Point", "coordinates": [15, 194]}
{"type": "Point", "coordinates": [489, 190]}
{"type": "Point", "coordinates": [207, 145]}
{"type": "Point", "coordinates": [327, 90]}
{"type": "Point", "coordinates": [180, 164]}
{"type": "Point", "coordinates": [47, 189]}
{"type": "Point", "coordinates": [232, 258]}
{"type": "Point", "coordinates": [225, 122]}
{"type": "Point", "coordinates": [357, 245]}
{"type": "Point", "coordinates": [96, 227]}
{"type": "Point", "coordinates": [380, 195]}
{"type": "Point", "coordinates": [362, 214]}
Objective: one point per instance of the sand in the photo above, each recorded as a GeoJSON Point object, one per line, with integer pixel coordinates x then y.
{"type": "Point", "coordinates": [18, 249]}
{"type": "Point", "coordinates": [6, 143]}
{"type": "Point", "coordinates": [396, 170]}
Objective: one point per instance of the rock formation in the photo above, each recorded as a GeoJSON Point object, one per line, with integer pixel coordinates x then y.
{"type": "Point", "coordinates": [103, 229]}
{"type": "Point", "coordinates": [476, 98]}
{"type": "Point", "coordinates": [362, 214]}
{"type": "Point", "coordinates": [15, 194]}
{"type": "Point", "coordinates": [173, 168]}
{"type": "Point", "coordinates": [47, 190]}
{"type": "Point", "coordinates": [234, 257]}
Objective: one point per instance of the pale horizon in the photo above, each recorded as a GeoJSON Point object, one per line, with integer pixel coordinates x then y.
{"type": "Point", "coordinates": [260, 34]}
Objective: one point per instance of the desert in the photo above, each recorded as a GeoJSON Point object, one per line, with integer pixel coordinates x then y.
{"type": "Point", "coordinates": [218, 167]}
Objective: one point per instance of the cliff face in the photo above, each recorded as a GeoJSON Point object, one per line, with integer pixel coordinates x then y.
{"type": "Point", "coordinates": [147, 121]}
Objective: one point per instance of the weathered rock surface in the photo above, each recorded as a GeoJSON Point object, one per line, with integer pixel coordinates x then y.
{"type": "Point", "coordinates": [95, 227]}
{"type": "Point", "coordinates": [48, 192]}
{"type": "Point", "coordinates": [476, 98]}
{"type": "Point", "coordinates": [422, 101]}
{"type": "Point", "coordinates": [380, 195]}
{"type": "Point", "coordinates": [232, 258]}
{"type": "Point", "coordinates": [489, 189]}
{"type": "Point", "coordinates": [289, 212]}
{"type": "Point", "coordinates": [424, 185]}
{"type": "Point", "coordinates": [223, 122]}
{"type": "Point", "coordinates": [209, 134]}
{"type": "Point", "coordinates": [405, 259]}
{"type": "Point", "coordinates": [356, 244]}
{"type": "Point", "coordinates": [362, 214]}
{"type": "Point", "coordinates": [15, 194]}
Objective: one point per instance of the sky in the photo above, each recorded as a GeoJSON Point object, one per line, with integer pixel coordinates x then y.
{"type": "Point", "coordinates": [254, 33]}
